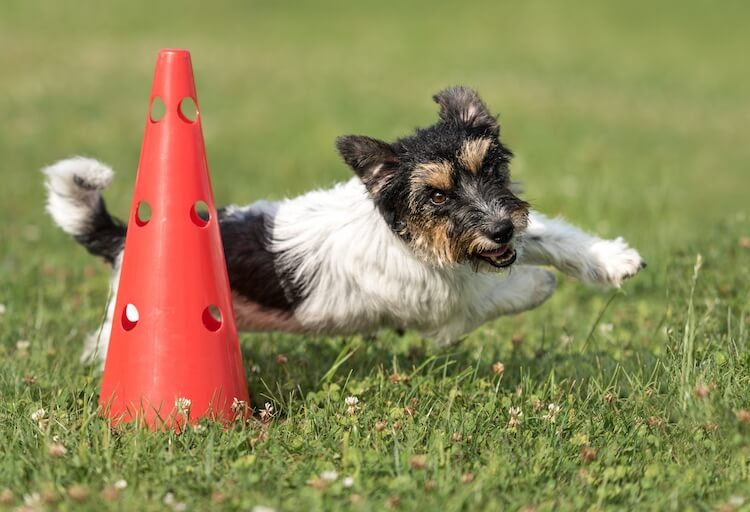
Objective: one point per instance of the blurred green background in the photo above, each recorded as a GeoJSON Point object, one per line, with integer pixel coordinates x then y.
{"type": "Point", "coordinates": [628, 118]}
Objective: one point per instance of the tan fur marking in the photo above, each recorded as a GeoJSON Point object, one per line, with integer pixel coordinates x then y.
{"type": "Point", "coordinates": [442, 243]}
{"type": "Point", "coordinates": [437, 175]}
{"type": "Point", "coordinates": [375, 184]}
{"type": "Point", "coordinates": [250, 316]}
{"type": "Point", "coordinates": [473, 152]}
{"type": "Point", "coordinates": [434, 242]}
{"type": "Point", "coordinates": [520, 218]}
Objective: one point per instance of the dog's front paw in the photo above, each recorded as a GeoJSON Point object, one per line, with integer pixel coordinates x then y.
{"type": "Point", "coordinates": [614, 261]}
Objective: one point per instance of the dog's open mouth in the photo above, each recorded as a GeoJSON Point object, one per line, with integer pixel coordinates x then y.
{"type": "Point", "coordinates": [501, 257]}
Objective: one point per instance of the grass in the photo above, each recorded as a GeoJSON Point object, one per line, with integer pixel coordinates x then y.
{"type": "Point", "coordinates": [630, 119]}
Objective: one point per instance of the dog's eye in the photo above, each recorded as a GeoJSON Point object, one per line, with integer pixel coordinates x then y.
{"type": "Point", "coordinates": [438, 197]}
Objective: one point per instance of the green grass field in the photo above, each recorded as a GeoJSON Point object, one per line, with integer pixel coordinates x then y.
{"type": "Point", "coordinates": [629, 119]}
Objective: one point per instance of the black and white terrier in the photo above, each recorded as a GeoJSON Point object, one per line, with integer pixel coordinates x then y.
{"type": "Point", "coordinates": [430, 235]}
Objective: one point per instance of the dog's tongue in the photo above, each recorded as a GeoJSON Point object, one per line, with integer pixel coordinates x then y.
{"type": "Point", "coordinates": [496, 253]}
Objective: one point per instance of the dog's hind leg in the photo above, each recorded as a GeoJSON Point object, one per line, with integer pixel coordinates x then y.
{"type": "Point", "coordinates": [524, 288]}
{"type": "Point", "coordinates": [96, 344]}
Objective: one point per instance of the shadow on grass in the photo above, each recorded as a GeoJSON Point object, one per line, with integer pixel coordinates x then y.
{"type": "Point", "coordinates": [282, 365]}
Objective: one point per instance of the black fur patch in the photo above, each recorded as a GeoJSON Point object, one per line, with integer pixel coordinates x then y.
{"type": "Point", "coordinates": [442, 142]}
{"type": "Point", "coordinates": [106, 235]}
{"type": "Point", "coordinates": [463, 149]}
{"type": "Point", "coordinates": [250, 263]}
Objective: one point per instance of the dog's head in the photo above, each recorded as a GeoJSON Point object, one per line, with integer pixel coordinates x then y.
{"type": "Point", "coordinates": [446, 189]}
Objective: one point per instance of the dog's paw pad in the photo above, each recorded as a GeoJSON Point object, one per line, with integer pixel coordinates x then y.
{"type": "Point", "coordinates": [615, 262]}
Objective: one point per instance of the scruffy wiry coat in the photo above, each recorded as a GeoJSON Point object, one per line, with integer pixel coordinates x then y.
{"type": "Point", "coordinates": [430, 235]}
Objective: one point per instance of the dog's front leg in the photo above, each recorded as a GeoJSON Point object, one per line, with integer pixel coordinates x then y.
{"type": "Point", "coordinates": [586, 257]}
{"type": "Point", "coordinates": [524, 288]}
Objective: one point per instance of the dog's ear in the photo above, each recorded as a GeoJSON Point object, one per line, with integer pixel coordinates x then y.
{"type": "Point", "coordinates": [373, 160]}
{"type": "Point", "coordinates": [464, 106]}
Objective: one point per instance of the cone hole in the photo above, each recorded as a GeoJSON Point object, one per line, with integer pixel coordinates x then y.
{"type": "Point", "coordinates": [142, 213]}
{"type": "Point", "coordinates": [130, 317]}
{"type": "Point", "coordinates": [212, 318]}
{"type": "Point", "coordinates": [188, 110]}
{"type": "Point", "coordinates": [199, 213]}
{"type": "Point", "coordinates": [157, 110]}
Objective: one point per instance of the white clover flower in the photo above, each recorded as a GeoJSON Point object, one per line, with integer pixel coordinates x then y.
{"type": "Point", "coordinates": [22, 345]}
{"type": "Point", "coordinates": [120, 484]}
{"type": "Point", "coordinates": [351, 404]}
{"type": "Point", "coordinates": [498, 368]}
{"type": "Point", "coordinates": [182, 405]}
{"type": "Point", "coordinates": [348, 481]}
{"type": "Point", "coordinates": [267, 412]}
{"type": "Point", "coordinates": [168, 499]}
{"type": "Point", "coordinates": [33, 500]}
{"type": "Point", "coordinates": [56, 449]}
{"type": "Point", "coordinates": [515, 417]}
{"type": "Point", "coordinates": [2, 309]}
{"type": "Point", "coordinates": [238, 406]}
{"type": "Point", "coordinates": [199, 429]}
{"type": "Point", "coordinates": [736, 501]}
{"type": "Point", "coordinates": [262, 508]}
{"type": "Point", "coordinates": [606, 328]}
{"type": "Point", "coordinates": [329, 476]}
{"type": "Point", "coordinates": [552, 410]}
{"type": "Point", "coordinates": [38, 415]}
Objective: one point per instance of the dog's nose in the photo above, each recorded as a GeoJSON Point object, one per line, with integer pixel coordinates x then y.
{"type": "Point", "coordinates": [502, 232]}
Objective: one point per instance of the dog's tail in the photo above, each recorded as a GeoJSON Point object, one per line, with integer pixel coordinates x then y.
{"type": "Point", "coordinates": [75, 202]}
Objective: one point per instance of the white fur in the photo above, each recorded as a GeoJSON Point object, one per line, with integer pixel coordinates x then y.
{"type": "Point", "coordinates": [73, 187]}
{"type": "Point", "coordinates": [586, 257]}
{"type": "Point", "coordinates": [359, 276]}
{"type": "Point", "coordinates": [96, 344]}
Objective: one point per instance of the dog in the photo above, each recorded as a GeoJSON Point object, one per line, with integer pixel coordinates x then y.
{"type": "Point", "coordinates": [430, 235]}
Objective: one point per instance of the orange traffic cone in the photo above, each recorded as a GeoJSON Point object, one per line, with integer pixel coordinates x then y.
{"type": "Point", "coordinates": [173, 354]}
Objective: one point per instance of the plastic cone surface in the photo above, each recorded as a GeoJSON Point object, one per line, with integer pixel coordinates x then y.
{"type": "Point", "coordinates": [173, 335]}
